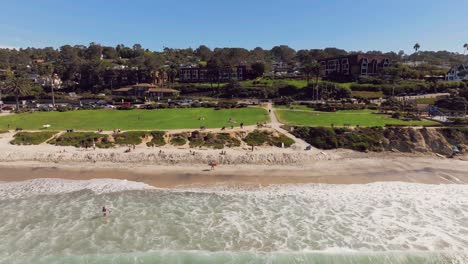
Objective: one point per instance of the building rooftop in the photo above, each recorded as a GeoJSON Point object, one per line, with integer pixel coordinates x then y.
{"type": "Point", "coordinates": [123, 89]}
{"type": "Point", "coordinates": [162, 90]}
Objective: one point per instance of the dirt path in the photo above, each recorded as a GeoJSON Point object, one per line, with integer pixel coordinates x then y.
{"type": "Point", "coordinates": [275, 124]}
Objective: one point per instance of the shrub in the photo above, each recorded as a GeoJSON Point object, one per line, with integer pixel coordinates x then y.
{"type": "Point", "coordinates": [130, 137]}
{"type": "Point", "coordinates": [256, 138]}
{"type": "Point", "coordinates": [157, 139]}
{"type": "Point", "coordinates": [32, 138]}
{"type": "Point", "coordinates": [360, 146]}
{"type": "Point", "coordinates": [178, 141]}
{"type": "Point", "coordinates": [125, 107]}
{"type": "Point", "coordinates": [282, 139]}
{"type": "Point", "coordinates": [82, 139]}
{"type": "Point", "coordinates": [64, 108]}
{"type": "Point", "coordinates": [228, 140]}
{"type": "Point", "coordinates": [396, 115]}
{"type": "Point", "coordinates": [217, 141]}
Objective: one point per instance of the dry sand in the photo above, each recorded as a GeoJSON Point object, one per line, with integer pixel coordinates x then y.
{"type": "Point", "coordinates": [178, 167]}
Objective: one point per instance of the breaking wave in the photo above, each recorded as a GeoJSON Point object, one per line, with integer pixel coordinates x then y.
{"type": "Point", "coordinates": [57, 221]}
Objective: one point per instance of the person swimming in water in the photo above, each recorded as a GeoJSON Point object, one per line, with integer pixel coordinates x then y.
{"type": "Point", "coordinates": [105, 211]}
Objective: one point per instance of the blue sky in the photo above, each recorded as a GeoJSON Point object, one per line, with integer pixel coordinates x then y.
{"type": "Point", "coordinates": [387, 25]}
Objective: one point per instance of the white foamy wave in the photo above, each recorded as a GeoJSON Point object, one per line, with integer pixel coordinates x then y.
{"type": "Point", "coordinates": [12, 190]}
{"type": "Point", "coordinates": [362, 223]}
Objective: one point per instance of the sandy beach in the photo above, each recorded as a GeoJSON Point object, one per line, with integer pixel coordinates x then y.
{"type": "Point", "coordinates": [170, 167]}
{"type": "Point", "coordinates": [343, 171]}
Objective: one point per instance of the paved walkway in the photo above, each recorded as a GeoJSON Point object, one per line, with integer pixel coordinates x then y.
{"type": "Point", "coordinates": [274, 123]}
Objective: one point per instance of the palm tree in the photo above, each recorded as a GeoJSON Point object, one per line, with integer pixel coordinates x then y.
{"type": "Point", "coordinates": [162, 73]}
{"type": "Point", "coordinates": [316, 71]}
{"type": "Point", "coordinates": [19, 87]}
{"type": "Point", "coordinates": [416, 47]}
{"type": "Point", "coordinates": [465, 48]}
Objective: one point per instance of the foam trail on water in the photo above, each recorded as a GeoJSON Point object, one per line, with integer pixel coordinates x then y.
{"type": "Point", "coordinates": [11, 190]}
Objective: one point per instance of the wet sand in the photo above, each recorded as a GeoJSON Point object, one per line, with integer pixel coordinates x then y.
{"type": "Point", "coordinates": [345, 171]}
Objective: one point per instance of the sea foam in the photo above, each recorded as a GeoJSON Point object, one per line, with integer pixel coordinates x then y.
{"type": "Point", "coordinates": [11, 190]}
{"type": "Point", "coordinates": [384, 222]}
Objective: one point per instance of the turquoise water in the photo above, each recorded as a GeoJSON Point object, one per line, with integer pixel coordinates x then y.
{"type": "Point", "coordinates": [373, 223]}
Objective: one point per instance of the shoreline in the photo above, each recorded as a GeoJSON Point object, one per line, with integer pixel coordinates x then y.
{"type": "Point", "coordinates": [174, 167]}
{"type": "Point", "coordinates": [342, 171]}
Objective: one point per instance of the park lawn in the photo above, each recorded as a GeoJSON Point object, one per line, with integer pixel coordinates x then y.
{"type": "Point", "coordinates": [367, 94]}
{"type": "Point", "coordinates": [430, 101]}
{"type": "Point", "coordinates": [294, 107]}
{"type": "Point", "coordinates": [135, 119]}
{"type": "Point", "coordinates": [264, 82]}
{"type": "Point", "coordinates": [364, 118]}
{"type": "Point", "coordinates": [309, 109]}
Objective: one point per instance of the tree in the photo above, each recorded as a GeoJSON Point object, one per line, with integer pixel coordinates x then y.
{"type": "Point", "coordinates": [233, 89]}
{"type": "Point", "coordinates": [258, 68]}
{"type": "Point", "coordinates": [94, 51]}
{"type": "Point", "coordinates": [204, 53]}
{"type": "Point", "coordinates": [416, 47]}
{"type": "Point", "coordinates": [316, 70]}
{"type": "Point", "coordinates": [213, 71]}
{"type": "Point", "coordinates": [465, 46]}
{"type": "Point", "coordinates": [110, 53]}
{"type": "Point", "coordinates": [307, 71]}
{"type": "Point", "coordinates": [283, 53]}
{"type": "Point", "coordinates": [19, 87]}
{"type": "Point", "coordinates": [394, 74]}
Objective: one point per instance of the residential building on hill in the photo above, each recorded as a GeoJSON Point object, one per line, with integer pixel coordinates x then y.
{"type": "Point", "coordinates": [201, 74]}
{"type": "Point", "coordinates": [353, 66]}
{"type": "Point", "coordinates": [458, 73]}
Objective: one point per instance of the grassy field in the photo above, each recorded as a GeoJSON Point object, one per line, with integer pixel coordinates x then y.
{"type": "Point", "coordinates": [265, 82]}
{"type": "Point", "coordinates": [364, 118]}
{"type": "Point", "coordinates": [135, 119]}
{"type": "Point", "coordinates": [426, 101]}
{"type": "Point", "coordinates": [366, 94]}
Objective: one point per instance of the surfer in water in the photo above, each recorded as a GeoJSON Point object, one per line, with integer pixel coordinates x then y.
{"type": "Point", "coordinates": [105, 211]}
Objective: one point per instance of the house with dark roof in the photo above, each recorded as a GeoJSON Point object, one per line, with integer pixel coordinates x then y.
{"type": "Point", "coordinates": [351, 67]}
{"type": "Point", "coordinates": [458, 73]}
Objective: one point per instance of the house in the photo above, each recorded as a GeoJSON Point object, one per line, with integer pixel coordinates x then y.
{"type": "Point", "coordinates": [201, 74]}
{"type": "Point", "coordinates": [146, 90]}
{"type": "Point", "coordinates": [458, 73]}
{"type": "Point", "coordinates": [353, 66]}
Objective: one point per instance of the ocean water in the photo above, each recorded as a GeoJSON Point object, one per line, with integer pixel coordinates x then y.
{"type": "Point", "coordinates": [56, 221]}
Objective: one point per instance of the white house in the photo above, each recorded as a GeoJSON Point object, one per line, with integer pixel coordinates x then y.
{"type": "Point", "coordinates": [458, 73]}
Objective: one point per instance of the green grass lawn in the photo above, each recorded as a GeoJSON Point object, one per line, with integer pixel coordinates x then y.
{"type": "Point", "coordinates": [135, 119]}
{"type": "Point", "coordinates": [265, 82]}
{"type": "Point", "coordinates": [426, 101]}
{"type": "Point", "coordinates": [366, 94]}
{"type": "Point", "coordinates": [364, 118]}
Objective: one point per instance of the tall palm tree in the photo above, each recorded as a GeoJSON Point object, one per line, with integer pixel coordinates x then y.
{"type": "Point", "coordinates": [416, 47]}
{"type": "Point", "coordinates": [162, 73]}
{"type": "Point", "coordinates": [316, 72]}
{"type": "Point", "coordinates": [19, 87]}
{"type": "Point", "coordinates": [465, 48]}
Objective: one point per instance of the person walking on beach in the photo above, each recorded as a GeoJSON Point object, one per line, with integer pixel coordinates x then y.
{"type": "Point", "coordinates": [212, 164]}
